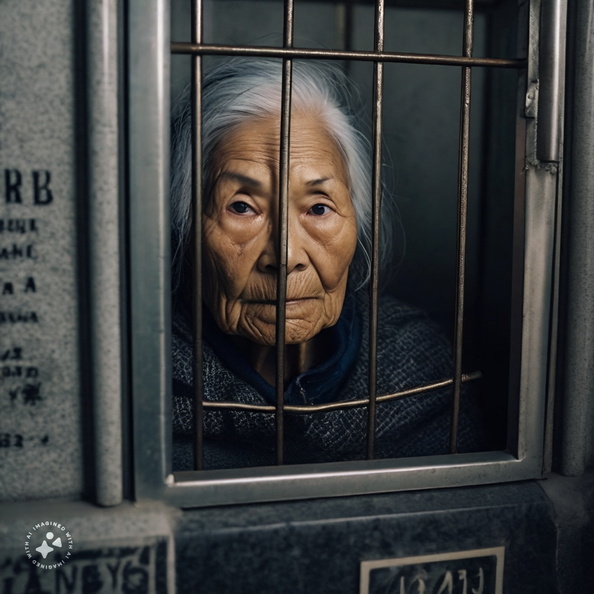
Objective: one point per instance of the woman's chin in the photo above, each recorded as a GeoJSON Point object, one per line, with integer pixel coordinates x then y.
{"type": "Point", "coordinates": [294, 334]}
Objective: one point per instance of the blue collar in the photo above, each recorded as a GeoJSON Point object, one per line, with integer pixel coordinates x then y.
{"type": "Point", "coordinates": [320, 384]}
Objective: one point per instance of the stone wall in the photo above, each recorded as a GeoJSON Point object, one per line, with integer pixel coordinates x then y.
{"type": "Point", "coordinates": [40, 385]}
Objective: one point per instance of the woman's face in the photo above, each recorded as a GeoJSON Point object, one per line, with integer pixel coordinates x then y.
{"type": "Point", "coordinates": [240, 230]}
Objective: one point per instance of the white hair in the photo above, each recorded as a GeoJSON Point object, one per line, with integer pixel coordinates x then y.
{"type": "Point", "coordinates": [241, 89]}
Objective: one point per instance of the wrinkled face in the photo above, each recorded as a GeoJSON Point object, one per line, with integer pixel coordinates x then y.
{"type": "Point", "coordinates": [240, 229]}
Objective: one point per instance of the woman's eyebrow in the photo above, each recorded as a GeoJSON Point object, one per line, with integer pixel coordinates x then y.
{"type": "Point", "coordinates": [242, 179]}
{"type": "Point", "coordinates": [317, 182]}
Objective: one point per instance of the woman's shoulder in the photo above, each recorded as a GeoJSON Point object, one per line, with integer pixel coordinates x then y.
{"type": "Point", "coordinates": [393, 309]}
{"type": "Point", "coordinates": [411, 347]}
{"type": "Point", "coordinates": [405, 326]}
{"type": "Point", "coordinates": [411, 327]}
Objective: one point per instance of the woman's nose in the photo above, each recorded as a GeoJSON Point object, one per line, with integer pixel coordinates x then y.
{"type": "Point", "coordinates": [269, 260]}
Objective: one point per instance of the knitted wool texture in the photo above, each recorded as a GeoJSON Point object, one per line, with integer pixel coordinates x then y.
{"type": "Point", "coordinates": [411, 352]}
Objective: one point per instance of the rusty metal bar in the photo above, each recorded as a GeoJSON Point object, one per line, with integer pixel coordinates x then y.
{"type": "Point", "coordinates": [283, 226]}
{"type": "Point", "coordinates": [326, 54]}
{"type": "Point", "coordinates": [197, 234]}
{"type": "Point", "coordinates": [462, 220]}
{"type": "Point", "coordinates": [343, 404]}
{"type": "Point", "coordinates": [378, 80]}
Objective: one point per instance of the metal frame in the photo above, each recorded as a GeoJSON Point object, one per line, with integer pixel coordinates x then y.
{"type": "Point", "coordinates": [105, 247]}
{"type": "Point", "coordinates": [150, 301]}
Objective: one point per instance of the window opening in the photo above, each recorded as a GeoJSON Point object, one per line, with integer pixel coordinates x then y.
{"type": "Point", "coordinates": [481, 190]}
{"type": "Point", "coordinates": [378, 56]}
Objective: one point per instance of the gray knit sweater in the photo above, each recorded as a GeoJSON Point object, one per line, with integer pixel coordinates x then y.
{"type": "Point", "coordinates": [411, 351]}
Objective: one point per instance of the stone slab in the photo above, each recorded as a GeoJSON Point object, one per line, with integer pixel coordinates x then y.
{"type": "Point", "coordinates": [40, 411]}
{"type": "Point", "coordinates": [319, 546]}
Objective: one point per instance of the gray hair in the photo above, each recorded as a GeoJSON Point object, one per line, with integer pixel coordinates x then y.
{"type": "Point", "coordinates": [240, 89]}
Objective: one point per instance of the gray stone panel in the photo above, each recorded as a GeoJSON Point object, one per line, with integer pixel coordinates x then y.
{"type": "Point", "coordinates": [318, 546]}
{"type": "Point", "coordinates": [304, 547]}
{"type": "Point", "coordinates": [40, 412]}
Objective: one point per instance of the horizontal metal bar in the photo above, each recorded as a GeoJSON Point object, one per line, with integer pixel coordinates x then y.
{"type": "Point", "coordinates": [440, 4]}
{"type": "Point", "coordinates": [483, 5]}
{"type": "Point", "coordinates": [221, 487]}
{"type": "Point", "coordinates": [278, 52]}
{"type": "Point", "coordinates": [343, 404]}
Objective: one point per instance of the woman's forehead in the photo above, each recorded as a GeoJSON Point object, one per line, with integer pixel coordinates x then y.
{"type": "Point", "coordinates": [255, 144]}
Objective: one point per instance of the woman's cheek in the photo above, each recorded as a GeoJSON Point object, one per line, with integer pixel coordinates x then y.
{"type": "Point", "coordinates": [217, 273]}
{"type": "Point", "coordinates": [338, 254]}
{"type": "Point", "coordinates": [213, 290]}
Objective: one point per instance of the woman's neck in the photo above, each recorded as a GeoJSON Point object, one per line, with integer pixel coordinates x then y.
{"type": "Point", "coordinates": [298, 357]}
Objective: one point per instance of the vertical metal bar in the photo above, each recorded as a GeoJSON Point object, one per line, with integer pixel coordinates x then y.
{"type": "Point", "coordinates": [104, 247]}
{"type": "Point", "coordinates": [197, 233]}
{"type": "Point", "coordinates": [283, 227]}
{"type": "Point", "coordinates": [378, 83]}
{"type": "Point", "coordinates": [551, 63]}
{"type": "Point", "coordinates": [149, 216]}
{"type": "Point", "coordinates": [463, 174]}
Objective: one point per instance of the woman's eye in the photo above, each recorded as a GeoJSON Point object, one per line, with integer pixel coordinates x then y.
{"type": "Point", "coordinates": [241, 208]}
{"type": "Point", "coordinates": [319, 209]}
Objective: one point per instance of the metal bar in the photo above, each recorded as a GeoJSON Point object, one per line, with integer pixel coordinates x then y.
{"type": "Point", "coordinates": [462, 221]}
{"type": "Point", "coordinates": [550, 89]}
{"type": "Point", "coordinates": [344, 404]}
{"type": "Point", "coordinates": [334, 479]}
{"type": "Point", "coordinates": [150, 242]}
{"type": "Point", "coordinates": [104, 248]}
{"type": "Point", "coordinates": [548, 145]}
{"type": "Point", "coordinates": [283, 227]}
{"type": "Point", "coordinates": [197, 234]}
{"type": "Point", "coordinates": [378, 79]}
{"type": "Point", "coordinates": [277, 52]}
{"type": "Point", "coordinates": [480, 5]}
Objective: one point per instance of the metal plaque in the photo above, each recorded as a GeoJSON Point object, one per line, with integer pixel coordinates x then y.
{"type": "Point", "coordinates": [477, 571]}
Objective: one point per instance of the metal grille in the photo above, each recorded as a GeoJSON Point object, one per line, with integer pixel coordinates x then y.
{"type": "Point", "coordinates": [466, 62]}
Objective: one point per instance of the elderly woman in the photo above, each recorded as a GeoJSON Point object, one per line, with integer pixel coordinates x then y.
{"type": "Point", "coordinates": [326, 333]}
